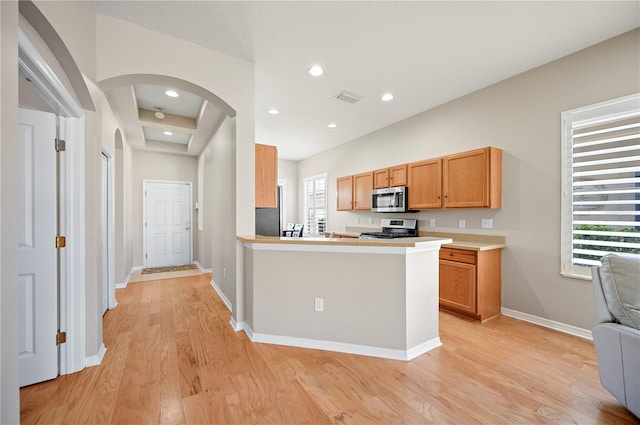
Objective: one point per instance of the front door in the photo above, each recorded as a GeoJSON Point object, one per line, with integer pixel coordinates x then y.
{"type": "Point", "coordinates": [168, 224]}
{"type": "Point", "coordinates": [36, 245]}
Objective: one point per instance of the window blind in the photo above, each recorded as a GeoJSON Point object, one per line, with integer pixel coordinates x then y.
{"type": "Point", "coordinates": [315, 200]}
{"type": "Point", "coordinates": [604, 184]}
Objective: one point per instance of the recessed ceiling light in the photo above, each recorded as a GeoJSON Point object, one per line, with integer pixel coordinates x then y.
{"type": "Point", "coordinates": [332, 125]}
{"type": "Point", "coordinates": [168, 133]}
{"type": "Point", "coordinates": [273, 111]}
{"type": "Point", "coordinates": [316, 70]}
{"type": "Point", "coordinates": [387, 97]}
{"type": "Point", "coordinates": [171, 93]}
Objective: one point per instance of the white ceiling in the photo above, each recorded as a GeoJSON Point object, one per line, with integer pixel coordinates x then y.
{"type": "Point", "coordinates": [425, 53]}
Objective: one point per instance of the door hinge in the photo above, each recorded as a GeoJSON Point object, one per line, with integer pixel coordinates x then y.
{"type": "Point", "coordinates": [60, 145]}
{"type": "Point", "coordinates": [61, 241]}
{"type": "Point", "coordinates": [61, 338]}
{"type": "Point", "coordinates": [145, 255]}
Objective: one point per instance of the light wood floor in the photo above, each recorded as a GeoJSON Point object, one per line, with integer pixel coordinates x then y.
{"type": "Point", "coordinates": [172, 358]}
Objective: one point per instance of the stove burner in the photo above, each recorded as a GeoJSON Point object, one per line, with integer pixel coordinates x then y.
{"type": "Point", "coordinates": [394, 228]}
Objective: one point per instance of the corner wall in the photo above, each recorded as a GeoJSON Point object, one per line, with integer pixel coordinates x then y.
{"type": "Point", "coordinates": [520, 115]}
{"type": "Point", "coordinates": [219, 236]}
{"type": "Point", "coordinates": [9, 293]}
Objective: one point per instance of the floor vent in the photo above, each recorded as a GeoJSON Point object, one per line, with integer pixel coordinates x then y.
{"type": "Point", "coordinates": [348, 97]}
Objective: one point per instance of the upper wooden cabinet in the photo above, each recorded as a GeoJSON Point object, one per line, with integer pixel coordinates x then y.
{"type": "Point", "coordinates": [266, 176]}
{"type": "Point", "coordinates": [425, 184]}
{"type": "Point", "coordinates": [390, 177]}
{"type": "Point", "coordinates": [354, 192]}
{"type": "Point", "coordinates": [345, 193]}
{"type": "Point", "coordinates": [472, 179]}
{"type": "Point", "coordinates": [362, 187]}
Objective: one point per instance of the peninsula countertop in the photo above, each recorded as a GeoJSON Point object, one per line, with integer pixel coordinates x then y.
{"type": "Point", "coordinates": [320, 240]}
{"type": "Point", "coordinates": [469, 241]}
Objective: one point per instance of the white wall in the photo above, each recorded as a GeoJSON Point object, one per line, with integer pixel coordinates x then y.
{"type": "Point", "coordinates": [9, 294]}
{"type": "Point", "coordinates": [218, 234]}
{"type": "Point", "coordinates": [157, 166]}
{"type": "Point", "coordinates": [520, 115]}
{"type": "Point", "coordinates": [288, 171]}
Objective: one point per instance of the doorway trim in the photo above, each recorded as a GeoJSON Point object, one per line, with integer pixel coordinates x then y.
{"type": "Point", "coordinates": [72, 311]}
{"type": "Point", "coordinates": [71, 219]}
{"type": "Point", "coordinates": [113, 302]}
{"type": "Point", "coordinates": [144, 216]}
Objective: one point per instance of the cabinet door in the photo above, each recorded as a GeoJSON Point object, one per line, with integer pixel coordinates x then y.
{"type": "Point", "coordinates": [266, 176]}
{"type": "Point", "coordinates": [458, 286]}
{"type": "Point", "coordinates": [381, 178]}
{"type": "Point", "coordinates": [425, 184]}
{"type": "Point", "coordinates": [345, 193]}
{"type": "Point", "coordinates": [473, 179]}
{"type": "Point", "coordinates": [398, 175]}
{"type": "Point", "coordinates": [362, 187]}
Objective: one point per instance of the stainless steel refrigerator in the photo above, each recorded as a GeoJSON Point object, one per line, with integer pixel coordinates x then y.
{"type": "Point", "coordinates": [268, 220]}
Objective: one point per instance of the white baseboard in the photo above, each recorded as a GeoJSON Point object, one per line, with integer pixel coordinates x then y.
{"type": "Point", "coordinates": [124, 284]}
{"type": "Point", "coordinates": [222, 296]}
{"type": "Point", "coordinates": [551, 324]}
{"type": "Point", "coordinates": [201, 267]}
{"type": "Point", "coordinates": [342, 347]}
{"type": "Point", "coordinates": [242, 326]}
{"type": "Point", "coordinates": [97, 359]}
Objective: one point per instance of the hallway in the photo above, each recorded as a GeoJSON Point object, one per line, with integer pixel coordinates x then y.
{"type": "Point", "coordinates": [172, 358]}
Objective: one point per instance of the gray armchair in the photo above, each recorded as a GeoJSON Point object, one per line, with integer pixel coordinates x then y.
{"type": "Point", "coordinates": [616, 286]}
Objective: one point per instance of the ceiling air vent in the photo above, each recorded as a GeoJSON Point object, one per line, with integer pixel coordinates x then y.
{"type": "Point", "coordinates": [348, 97]}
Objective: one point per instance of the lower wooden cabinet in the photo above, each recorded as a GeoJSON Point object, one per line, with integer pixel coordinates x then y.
{"type": "Point", "coordinates": [471, 282]}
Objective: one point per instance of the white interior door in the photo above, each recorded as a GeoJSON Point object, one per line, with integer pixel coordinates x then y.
{"type": "Point", "coordinates": [168, 224]}
{"type": "Point", "coordinates": [38, 257]}
{"type": "Point", "coordinates": [104, 212]}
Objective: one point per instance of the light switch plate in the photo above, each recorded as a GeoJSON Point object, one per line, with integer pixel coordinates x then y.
{"type": "Point", "coordinates": [487, 223]}
{"type": "Point", "coordinates": [432, 222]}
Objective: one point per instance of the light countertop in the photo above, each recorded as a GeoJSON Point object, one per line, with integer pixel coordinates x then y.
{"type": "Point", "coordinates": [400, 242]}
{"type": "Point", "coordinates": [470, 241]}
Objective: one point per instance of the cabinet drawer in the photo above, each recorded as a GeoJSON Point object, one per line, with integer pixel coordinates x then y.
{"type": "Point", "coordinates": [459, 255]}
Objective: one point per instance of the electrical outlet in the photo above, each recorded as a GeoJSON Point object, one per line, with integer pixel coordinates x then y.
{"type": "Point", "coordinates": [432, 222]}
{"type": "Point", "coordinates": [319, 304]}
{"type": "Point", "coordinates": [487, 223]}
{"type": "Point", "coordinates": [224, 273]}
{"type": "Point", "coordinates": [357, 220]}
{"type": "Point", "coordinates": [370, 220]}
{"type": "Point", "coordinates": [462, 223]}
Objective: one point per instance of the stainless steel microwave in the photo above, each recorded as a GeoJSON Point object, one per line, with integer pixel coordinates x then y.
{"type": "Point", "coordinates": [392, 199]}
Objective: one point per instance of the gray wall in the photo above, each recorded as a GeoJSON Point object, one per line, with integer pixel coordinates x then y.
{"type": "Point", "coordinates": [219, 233]}
{"type": "Point", "coordinates": [9, 293]}
{"type": "Point", "coordinates": [520, 115]}
{"type": "Point", "coordinates": [288, 171]}
{"type": "Point", "coordinates": [158, 166]}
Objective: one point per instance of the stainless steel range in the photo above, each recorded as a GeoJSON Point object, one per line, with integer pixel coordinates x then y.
{"type": "Point", "coordinates": [394, 228]}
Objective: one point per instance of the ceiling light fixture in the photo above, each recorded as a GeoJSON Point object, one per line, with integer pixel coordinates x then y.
{"type": "Point", "coordinates": [159, 114]}
{"type": "Point", "coordinates": [171, 93]}
{"type": "Point", "coordinates": [273, 111]}
{"type": "Point", "coordinates": [332, 125]}
{"type": "Point", "coordinates": [168, 133]}
{"type": "Point", "coordinates": [316, 70]}
{"type": "Point", "coordinates": [387, 97]}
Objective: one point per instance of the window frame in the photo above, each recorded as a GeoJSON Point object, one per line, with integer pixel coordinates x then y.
{"type": "Point", "coordinates": [593, 113]}
{"type": "Point", "coordinates": [307, 230]}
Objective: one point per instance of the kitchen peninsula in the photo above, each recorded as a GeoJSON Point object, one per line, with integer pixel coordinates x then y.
{"type": "Point", "coordinates": [364, 296]}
